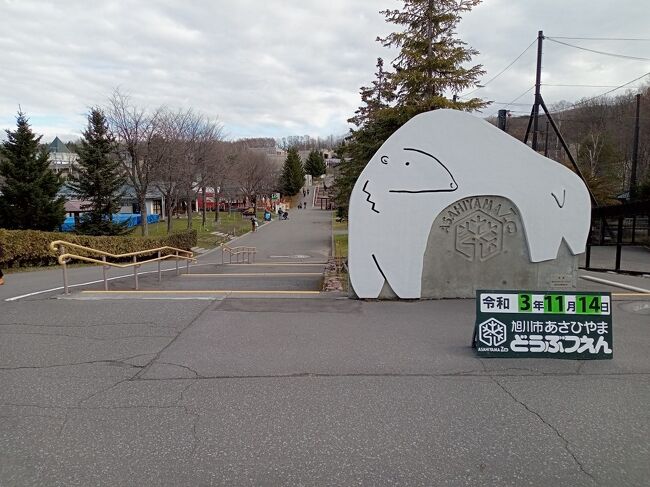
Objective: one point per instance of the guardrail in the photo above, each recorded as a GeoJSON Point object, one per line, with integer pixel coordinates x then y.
{"type": "Point", "coordinates": [243, 252]}
{"type": "Point", "coordinates": [65, 257]}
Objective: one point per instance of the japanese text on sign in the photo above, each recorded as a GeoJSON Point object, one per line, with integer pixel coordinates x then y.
{"type": "Point", "coordinates": [552, 303]}
{"type": "Point", "coordinates": [555, 324]}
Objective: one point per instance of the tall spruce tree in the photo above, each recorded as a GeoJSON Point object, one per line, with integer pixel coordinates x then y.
{"type": "Point", "coordinates": [376, 97]}
{"type": "Point", "coordinates": [99, 179]}
{"type": "Point", "coordinates": [29, 193]}
{"type": "Point", "coordinates": [293, 173]}
{"type": "Point", "coordinates": [430, 67]}
{"type": "Point", "coordinates": [431, 62]}
{"type": "Point", "coordinates": [315, 164]}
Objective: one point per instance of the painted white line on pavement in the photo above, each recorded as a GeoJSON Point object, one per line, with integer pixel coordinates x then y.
{"type": "Point", "coordinates": [615, 284]}
{"type": "Point", "coordinates": [35, 293]}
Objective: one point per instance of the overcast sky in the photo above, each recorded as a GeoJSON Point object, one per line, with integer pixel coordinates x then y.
{"type": "Point", "coordinates": [281, 67]}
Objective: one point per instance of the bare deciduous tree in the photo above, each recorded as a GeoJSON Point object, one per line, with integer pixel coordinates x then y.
{"type": "Point", "coordinates": [167, 173]}
{"type": "Point", "coordinates": [136, 132]}
{"type": "Point", "coordinates": [254, 174]}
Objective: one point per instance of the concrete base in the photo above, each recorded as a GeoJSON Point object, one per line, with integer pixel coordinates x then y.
{"type": "Point", "coordinates": [480, 243]}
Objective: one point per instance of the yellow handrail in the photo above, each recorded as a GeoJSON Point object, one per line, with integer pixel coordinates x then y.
{"type": "Point", "coordinates": [56, 243]}
{"type": "Point", "coordinates": [245, 252]}
{"type": "Point", "coordinates": [62, 258]}
{"type": "Point", "coordinates": [234, 250]}
{"type": "Point", "coordinates": [60, 245]}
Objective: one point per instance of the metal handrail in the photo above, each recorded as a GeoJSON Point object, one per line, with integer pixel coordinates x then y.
{"type": "Point", "coordinates": [245, 252]}
{"type": "Point", "coordinates": [64, 258]}
{"type": "Point", "coordinates": [54, 246]}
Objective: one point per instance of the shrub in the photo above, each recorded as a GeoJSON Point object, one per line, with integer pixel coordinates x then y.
{"type": "Point", "coordinates": [19, 248]}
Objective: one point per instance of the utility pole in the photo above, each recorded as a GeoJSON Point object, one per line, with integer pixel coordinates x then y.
{"type": "Point", "coordinates": [635, 149]}
{"type": "Point", "coordinates": [546, 139]}
{"type": "Point", "coordinates": [538, 83]}
{"type": "Point", "coordinates": [502, 120]}
{"type": "Point", "coordinates": [533, 121]}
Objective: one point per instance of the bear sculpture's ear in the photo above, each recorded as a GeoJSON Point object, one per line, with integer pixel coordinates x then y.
{"type": "Point", "coordinates": [384, 159]}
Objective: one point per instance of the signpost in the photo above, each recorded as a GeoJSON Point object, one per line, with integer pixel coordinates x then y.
{"type": "Point", "coordinates": [535, 324]}
{"type": "Point", "coordinates": [275, 196]}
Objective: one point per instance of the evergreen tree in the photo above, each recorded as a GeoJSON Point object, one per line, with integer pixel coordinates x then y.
{"type": "Point", "coordinates": [315, 164]}
{"type": "Point", "coordinates": [376, 97]}
{"type": "Point", "coordinates": [429, 67]}
{"type": "Point", "coordinates": [431, 59]}
{"type": "Point", "coordinates": [293, 174]}
{"type": "Point", "coordinates": [99, 179]}
{"type": "Point", "coordinates": [29, 193]}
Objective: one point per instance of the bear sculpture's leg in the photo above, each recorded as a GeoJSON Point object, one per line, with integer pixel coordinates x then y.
{"type": "Point", "coordinates": [365, 277]}
{"type": "Point", "coordinates": [403, 272]}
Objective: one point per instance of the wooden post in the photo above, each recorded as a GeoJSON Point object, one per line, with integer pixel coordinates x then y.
{"type": "Point", "coordinates": [177, 271]}
{"type": "Point", "coordinates": [135, 273]}
{"type": "Point", "coordinates": [65, 271]}
{"type": "Point", "coordinates": [159, 272]}
{"type": "Point", "coordinates": [104, 267]}
{"type": "Point", "coordinates": [619, 244]}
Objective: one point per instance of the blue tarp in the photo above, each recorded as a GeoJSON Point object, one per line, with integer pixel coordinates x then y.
{"type": "Point", "coordinates": [132, 219]}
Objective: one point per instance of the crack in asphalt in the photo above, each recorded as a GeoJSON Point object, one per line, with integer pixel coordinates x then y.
{"type": "Point", "coordinates": [173, 340]}
{"type": "Point", "coordinates": [196, 374]}
{"type": "Point", "coordinates": [566, 444]}
{"type": "Point", "coordinates": [81, 336]}
{"type": "Point", "coordinates": [86, 325]}
{"type": "Point", "coordinates": [101, 391]}
{"type": "Point", "coordinates": [473, 374]}
{"type": "Point", "coordinates": [9, 416]}
{"type": "Point", "coordinates": [120, 362]}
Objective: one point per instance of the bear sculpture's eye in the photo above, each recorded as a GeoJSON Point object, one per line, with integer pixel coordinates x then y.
{"type": "Point", "coordinates": [407, 163]}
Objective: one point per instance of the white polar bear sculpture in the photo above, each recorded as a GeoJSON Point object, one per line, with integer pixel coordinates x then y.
{"type": "Point", "coordinates": [440, 157]}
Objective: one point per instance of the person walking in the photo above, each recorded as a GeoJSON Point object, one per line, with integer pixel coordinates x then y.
{"type": "Point", "coordinates": [253, 224]}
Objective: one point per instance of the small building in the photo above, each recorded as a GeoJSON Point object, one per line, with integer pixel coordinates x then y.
{"type": "Point", "coordinates": [61, 158]}
{"type": "Point", "coordinates": [154, 201]}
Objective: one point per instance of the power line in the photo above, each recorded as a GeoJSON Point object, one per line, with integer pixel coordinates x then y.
{"type": "Point", "coordinates": [500, 72]}
{"type": "Point", "coordinates": [513, 101]}
{"type": "Point", "coordinates": [528, 90]}
{"type": "Point", "coordinates": [579, 86]}
{"type": "Point", "coordinates": [606, 93]}
{"type": "Point", "coordinates": [642, 39]}
{"type": "Point", "coordinates": [612, 54]}
{"type": "Point", "coordinates": [510, 103]}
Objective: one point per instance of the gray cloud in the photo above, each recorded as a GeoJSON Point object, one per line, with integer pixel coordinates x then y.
{"type": "Point", "coordinates": [275, 68]}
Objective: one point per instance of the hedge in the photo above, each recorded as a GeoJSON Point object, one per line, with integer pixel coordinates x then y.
{"type": "Point", "coordinates": [21, 248]}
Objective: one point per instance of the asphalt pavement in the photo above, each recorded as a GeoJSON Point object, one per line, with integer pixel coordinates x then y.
{"type": "Point", "coordinates": [320, 390]}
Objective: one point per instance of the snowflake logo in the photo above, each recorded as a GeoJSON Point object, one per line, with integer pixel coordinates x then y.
{"type": "Point", "coordinates": [492, 332]}
{"type": "Point", "coordinates": [479, 236]}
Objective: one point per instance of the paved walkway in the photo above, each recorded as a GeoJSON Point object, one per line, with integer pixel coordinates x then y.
{"type": "Point", "coordinates": [290, 259]}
